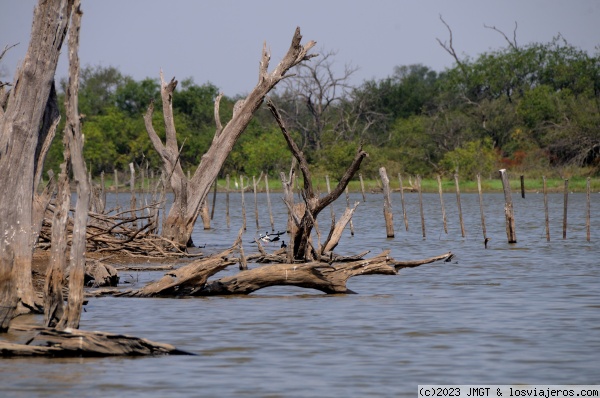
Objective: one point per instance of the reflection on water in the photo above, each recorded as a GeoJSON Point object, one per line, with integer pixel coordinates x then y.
{"type": "Point", "coordinates": [524, 313]}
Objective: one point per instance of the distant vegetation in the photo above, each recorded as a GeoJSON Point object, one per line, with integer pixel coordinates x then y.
{"type": "Point", "coordinates": [534, 110]}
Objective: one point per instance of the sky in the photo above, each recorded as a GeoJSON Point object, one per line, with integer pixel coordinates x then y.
{"type": "Point", "coordinates": [220, 41]}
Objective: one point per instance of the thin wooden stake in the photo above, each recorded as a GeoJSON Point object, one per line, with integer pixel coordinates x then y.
{"type": "Point", "coordinates": [508, 208]}
{"type": "Point", "coordinates": [523, 186]}
{"type": "Point", "coordinates": [329, 191]}
{"type": "Point", "coordinates": [439, 180]}
{"type": "Point", "coordinates": [132, 188]}
{"type": "Point", "coordinates": [362, 187]}
{"type": "Point", "coordinates": [485, 238]}
{"type": "Point", "coordinates": [387, 204]}
{"type": "Point", "coordinates": [347, 207]}
{"type": "Point", "coordinates": [227, 200]}
{"type": "Point", "coordinates": [421, 206]}
{"type": "Point", "coordinates": [566, 200]}
{"type": "Point", "coordinates": [546, 212]}
{"type": "Point", "coordinates": [402, 200]}
{"type": "Point", "coordinates": [116, 182]}
{"type": "Point", "coordinates": [269, 203]}
{"type": "Point", "coordinates": [588, 210]}
{"type": "Point", "coordinates": [460, 215]}
{"type": "Point", "coordinates": [243, 203]}
{"type": "Point", "coordinates": [255, 202]}
{"type": "Point", "coordinates": [214, 201]}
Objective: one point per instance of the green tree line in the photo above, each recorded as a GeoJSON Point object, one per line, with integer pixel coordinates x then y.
{"type": "Point", "coordinates": [533, 109]}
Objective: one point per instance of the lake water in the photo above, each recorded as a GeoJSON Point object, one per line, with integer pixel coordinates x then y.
{"type": "Point", "coordinates": [513, 313]}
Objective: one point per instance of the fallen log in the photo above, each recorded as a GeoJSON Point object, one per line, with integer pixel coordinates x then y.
{"type": "Point", "coordinates": [187, 279]}
{"type": "Point", "coordinates": [415, 263]}
{"type": "Point", "coordinates": [77, 343]}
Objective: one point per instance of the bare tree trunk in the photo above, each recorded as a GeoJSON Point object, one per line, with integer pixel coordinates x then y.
{"type": "Point", "coordinates": [189, 195]}
{"type": "Point", "coordinates": [19, 137]}
{"type": "Point", "coordinates": [73, 136]}
{"type": "Point", "coordinates": [314, 204]}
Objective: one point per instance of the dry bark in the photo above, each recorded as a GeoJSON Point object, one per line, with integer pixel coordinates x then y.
{"type": "Point", "coordinates": [189, 195]}
{"type": "Point", "coordinates": [77, 343]}
{"type": "Point", "coordinates": [19, 137]}
{"type": "Point", "coordinates": [314, 203]}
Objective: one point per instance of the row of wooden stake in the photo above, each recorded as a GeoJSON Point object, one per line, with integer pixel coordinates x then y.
{"type": "Point", "coordinates": [508, 206]}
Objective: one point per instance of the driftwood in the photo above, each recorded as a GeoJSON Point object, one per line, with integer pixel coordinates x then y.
{"type": "Point", "coordinates": [415, 263]}
{"type": "Point", "coordinates": [314, 203]}
{"type": "Point", "coordinates": [98, 274]}
{"type": "Point", "coordinates": [78, 343]}
{"type": "Point", "coordinates": [329, 277]}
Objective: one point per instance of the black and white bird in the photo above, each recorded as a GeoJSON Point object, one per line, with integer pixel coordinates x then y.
{"type": "Point", "coordinates": [267, 237]}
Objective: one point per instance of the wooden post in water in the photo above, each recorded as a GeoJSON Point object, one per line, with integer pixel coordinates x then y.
{"type": "Point", "coordinates": [362, 187]}
{"type": "Point", "coordinates": [243, 203]}
{"type": "Point", "coordinates": [254, 183]}
{"type": "Point", "coordinates": [116, 182]}
{"type": "Point", "coordinates": [348, 207]}
{"type": "Point", "coordinates": [566, 200]}
{"type": "Point", "coordinates": [387, 204]}
{"type": "Point", "coordinates": [460, 216]}
{"type": "Point", "coordinates": [269, 204]}
{"type": "Point", "coordinates": [421, 206]}
{"type": "Point", "coordinates": [588, 210]}
{"type": "Point", "coordinates": [329, 191]}
{"type": "Point", "coordinates": [508, 208]}
{"type": "Point", "coordinates": [485, 238]}
{"type": "Point", "coordinates": [212, 210]}
{"type": "Point", "coordinates": [523, 186]}
{"type": "Point", "coordinates": [102, 191]}
{"type": "Point", "coordinates": [132, 188]}
{"type": "Point", "coordinates": [227, 200]}
{"type": "Point", "coordinates": [546, 213]}
{"type": "Point", "coordinates": [402, 200]}
{"type": "Point", "coordinates": [439, 180]}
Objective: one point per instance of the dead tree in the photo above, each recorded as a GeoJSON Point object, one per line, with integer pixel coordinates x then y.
{"type": "Point", "coordinates": [20, 135]}
{"type": "Point", "coordinates": [190, 194]}
{"type": "Point", "coordinates": [314, 203]}
{"type": "Point", "coordinates": [328, 277]}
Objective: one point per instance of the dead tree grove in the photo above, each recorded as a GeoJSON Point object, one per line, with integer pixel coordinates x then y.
{"type": "Point", "coordinates": [190, 194]}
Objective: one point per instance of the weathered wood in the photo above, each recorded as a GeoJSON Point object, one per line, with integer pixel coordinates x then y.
{"type": "Point", "coordinates": [441, 192]}
{"type": "Point", "coordinates": [546, 212]}
{"type": "Point", "coordinates": [415, 263]}
{"type": "Point", "coordinates": [508, 208]}
{"type": "Point", "coordinates": [181, 219]}
{"type": "Point", "coordinates": [347, 207]}
{"type": "Point", "coordinates": [74, 139]}
{"type": "Point", "coordinates": [330, 279]}
{"type": "Point", "coordinates": [362, 187]}
{"type": "Point", "coordinates": [421, 206]}
{"type": "Point", "coordinates": [588, 211]}
{"type": "Point", "coordinates": [187, 279]}
{"type": "Point", "coordinates": [460, 215]}
{"type": "Point", "coordinates": [20, 134]}
{"type": "Point", "coordinates": [565, 207]}
{"type": "Point", "coordinates": [483, 230]}
{"type": "Point", "coordinates": [269, 203]}
{"type": "Point", "coordinates": [314, 203]}
{"type": "Point", "coordinates": [227, 217]}
{"type": "Point", "coordinates": [336, 235]}
{"type": "Point", "coordinates": [403, 203]}
{"type": "Point", "coordinates": [387, 204]}
{"type": "Point", "coordinates": [78, 343]}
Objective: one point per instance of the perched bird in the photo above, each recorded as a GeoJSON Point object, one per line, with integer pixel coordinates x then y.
{"type": "Point", "coordinates": [283, 245]}
{"type": "Point", "coordinates": [485, 242]}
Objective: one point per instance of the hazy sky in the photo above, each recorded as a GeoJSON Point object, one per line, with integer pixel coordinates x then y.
{"type": "Point", "coordinates": [220, 41]}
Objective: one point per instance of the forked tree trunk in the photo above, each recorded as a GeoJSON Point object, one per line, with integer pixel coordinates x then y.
{"type": "Point", "coordinates": [314, 204]}
{"type": "Point", "coordinates": [189, 194]}
{"type": "Point", "coordinates": [19, 137]}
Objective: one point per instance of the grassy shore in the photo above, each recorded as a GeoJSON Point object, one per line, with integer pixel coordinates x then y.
{"type": "Point", "coordinates": [576, 184]}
